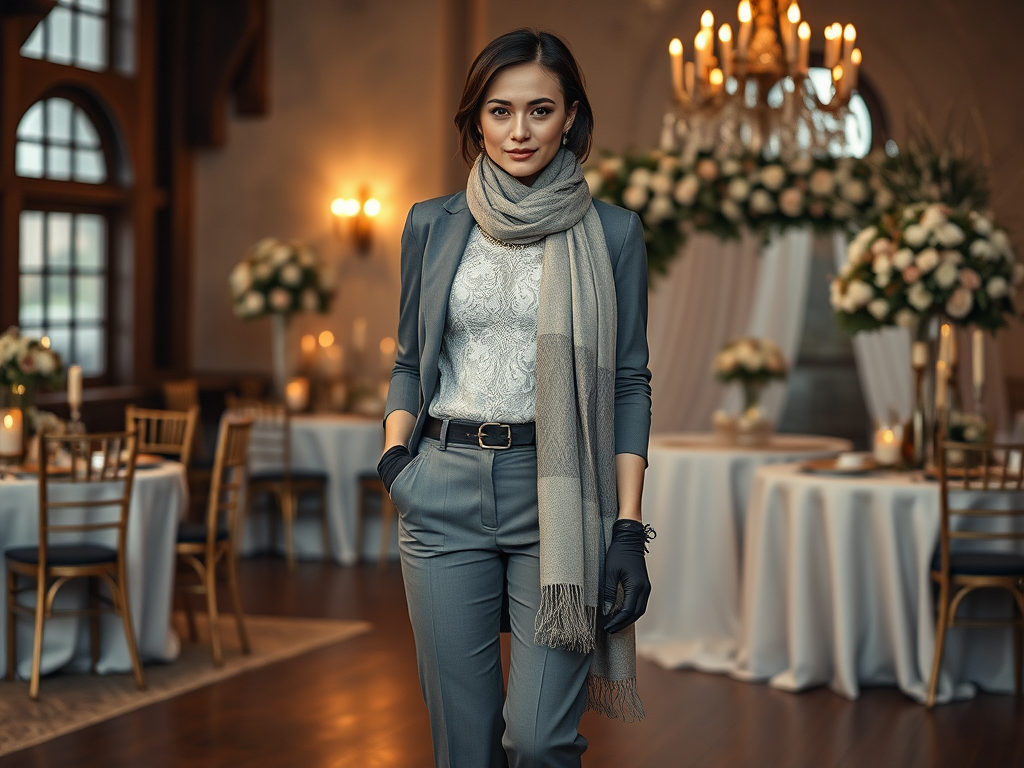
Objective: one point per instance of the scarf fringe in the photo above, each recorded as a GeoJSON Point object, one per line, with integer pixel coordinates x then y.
{"type": "Point", "coordinates": [563, 620]}
{"type": "Point", "coordinates": [617, 699]}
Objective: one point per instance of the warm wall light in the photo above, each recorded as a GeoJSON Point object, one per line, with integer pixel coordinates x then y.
{"type": "Point", "coordinates": [359, 211]}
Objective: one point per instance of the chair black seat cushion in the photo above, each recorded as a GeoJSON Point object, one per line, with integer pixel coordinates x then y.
{"type": "Point", "coordinates": [195, 533]}
{"type": "Point", "coordinates": [298, 476]}
{"type": "Point", "coordinates": [982, 563]}
{"type": "Point", "coordinates": [65, 554]}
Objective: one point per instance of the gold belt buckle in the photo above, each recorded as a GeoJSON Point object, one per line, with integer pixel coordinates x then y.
{"type": "Point", "coordinates": [480, 436]}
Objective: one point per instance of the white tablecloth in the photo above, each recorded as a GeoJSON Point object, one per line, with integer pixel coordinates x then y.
{"type": "Point", "coordinates": [343, 446]}
{"type": "Point", "coordinates": [695, 497]}
{"type": "Point", "coordinates": [837, 592]}
{"type": "Point", "coordinates": [159, 499]}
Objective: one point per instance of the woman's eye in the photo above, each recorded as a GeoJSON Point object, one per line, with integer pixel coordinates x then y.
{"type": "Point", "coordinates": [499, 111]}
{"type": "Point", "coordinates": [541, 111]}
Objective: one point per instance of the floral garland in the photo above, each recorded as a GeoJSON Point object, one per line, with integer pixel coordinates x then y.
{"type": "Point", "coordinates": [724, 195]}
{"type": "Point", "coordinates": [27, 363]}
{"type": "Point", "coordinates": [276, 277]}
{"type": "Point", "coordinates": [927, 260]}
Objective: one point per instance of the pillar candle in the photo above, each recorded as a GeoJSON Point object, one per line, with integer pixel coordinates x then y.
{"type": "Point", "coordinates": [945, 340]}
{"type": "Point", "coordinates": [75, 387]}
{"type": "Point", "coordinates": [855, 59]}
{"type": "Point", "coordinates": [804, 31]}
{"type": "Point", "coordinates": [919, 354]}
{"type": "Point", "coordinates": [725, 38]}
{"type": "Point", "coordinates": [296, 394]}
{"type": "Point", "coordinates": [689, 77]}
{"type": "Point", "coordinates": [849, 38]}
{"type": "Point", "coordinates": [675, 50]}
{"type": "Point", "coordinates": [978, 357]}
{"type": "Point", "coordinates": [743, 39]}
{"type": "Point", "coordinates": [888, 445]}
{"type": "Point", "coordinates": [10, 431]}
{"type": "Point", "coordinates": [941, 385]}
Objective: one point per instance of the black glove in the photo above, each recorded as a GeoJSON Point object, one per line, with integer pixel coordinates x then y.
{"type": "Point", "coordinates": [391, 464]}
{"type": "Point", "coordinates": [624, 564]}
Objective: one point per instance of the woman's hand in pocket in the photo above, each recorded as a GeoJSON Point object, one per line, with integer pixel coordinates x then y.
{"type": "Point", "coordinates": [391, 465]}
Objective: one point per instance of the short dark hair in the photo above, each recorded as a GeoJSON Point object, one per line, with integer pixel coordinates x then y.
{"type": "Point", "coordinates": [522, 47]}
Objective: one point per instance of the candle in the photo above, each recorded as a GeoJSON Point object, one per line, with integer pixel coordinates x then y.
{"type": "Point", "coordinates": [359, 334]}
{"type": "Point", "coordinates": [945, 339]}
{"type": "Point", "coordinates": [804, 32]}
{"type": "Point", "coordinates": [10, 432]}
{"type": "Point", "coordinates": [74, 388]}
{"type": "Point", "coordinates": [837, 79]}
{"type": "Point", "coordinates": [689, 77]}
{"type": "Point", "coordinates": [919, 354]}
{"type": "Point", "coordinates": [888, 445]}
{"type": "Point", "coordinates": [793, 21]}
{"type": "Point", "coordinates": [707, 22]}
{"type": "Point", "coordinates": [829, 55]}
{"type": "Point", "coordinates": [715, 79]}
{"type": "Point", "coordinates": [308, 346]}
{"type": "Point", "coordinates": [296, 394]}
{"type": "Point", "coordinates": [745, 15]}
{"type": "Point", "coordinates": [941, 385]}
{"type": "Point", "coordinates": [700, 43]}
{"type": "Point", "coordinates": [855, 59]}
{"type": "Point", "coordinates": [725, 38]}
{"type": "Point", "coordinates": [675, 50]}
{"type": "Point", "coordinates": [849, 38]}
{"type": "Point", "coordinates": [978, 357]}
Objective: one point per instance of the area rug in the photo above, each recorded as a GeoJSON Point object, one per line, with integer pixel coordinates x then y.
{"type": "Point", "coordinates": [69, 702]}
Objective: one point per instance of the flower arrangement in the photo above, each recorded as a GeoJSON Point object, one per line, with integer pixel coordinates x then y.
{"type": "Point", "coordinates": [748, 359]}
{"type": "Point", "coordinates": [281, 278]}
{"type": "Point", "coordinates": [723, 195]}
{"type": "Point", "coordinates": [925, 260]}
{"type": "Point", "coordinates": [26, 364]}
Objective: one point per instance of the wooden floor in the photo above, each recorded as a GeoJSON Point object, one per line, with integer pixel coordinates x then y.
{"type": "Point", "coordinates": [358, 704]}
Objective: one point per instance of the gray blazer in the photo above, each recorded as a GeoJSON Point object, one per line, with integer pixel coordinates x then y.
{"type": "Point", "coordinates": [435, 237]}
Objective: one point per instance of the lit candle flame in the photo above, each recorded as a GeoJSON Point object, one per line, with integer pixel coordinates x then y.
{"type": "Point", "coordinates": [725, 33]}
{"type": "Point", "coordinates": [856, 57]}
{"type": "Point", "coordinates": [744, 13]}
{"type": "Point", "coordinates": [804, 31]}
{"type": "Point", "coordinates": [675, 48]}
{"type": "Point", "coordinates": [8, 421]}
{"type": "Point", "coordinates": [793, 14]}
{"type": "Point", "coordinates": [707, 20]}
{"type": "Point", "coordinates": [837, 73]}
{"type": "Point", "coordinates": [715, 78]}
{"type": "Point", "coordinates": [850, 33]}
{"type": "Point", "coordinates": [371, 207]}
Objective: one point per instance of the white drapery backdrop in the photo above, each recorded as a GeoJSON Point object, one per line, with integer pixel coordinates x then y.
{"type": "Point", "coordinates": [717, 290]}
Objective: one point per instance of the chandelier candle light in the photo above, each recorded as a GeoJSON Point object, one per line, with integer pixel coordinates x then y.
{"type": "Point", "coordinates": [724, 101]}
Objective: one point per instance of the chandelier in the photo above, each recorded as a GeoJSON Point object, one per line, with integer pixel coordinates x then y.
{"type": "Point", "coordinates": [757, 95]}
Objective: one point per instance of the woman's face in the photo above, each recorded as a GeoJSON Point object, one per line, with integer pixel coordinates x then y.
{"type": "Point", "coordinates": [523, 119]}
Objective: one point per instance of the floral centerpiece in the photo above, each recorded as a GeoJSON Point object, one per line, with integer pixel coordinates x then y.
{"type": "Point", "coordinates": [753, 363]}
{"type": "Point", "coordinates": [924, 261]}
{"type": "Point", "coordinates": [279, 278]}
{"type": "Point", "coordinates": [27, 364]}
{"type": "Point", "coordinates": [723, 195]}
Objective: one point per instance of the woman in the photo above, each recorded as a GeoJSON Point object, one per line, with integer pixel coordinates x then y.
{"type": "Point", "coordinates": [521, 387]}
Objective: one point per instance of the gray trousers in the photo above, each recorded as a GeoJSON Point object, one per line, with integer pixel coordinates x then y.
{"type": "Point", "coordinates": [468, 529]}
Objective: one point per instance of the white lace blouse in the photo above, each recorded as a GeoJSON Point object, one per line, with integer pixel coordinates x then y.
{"type": "Point", "coordinates": [488, 358]}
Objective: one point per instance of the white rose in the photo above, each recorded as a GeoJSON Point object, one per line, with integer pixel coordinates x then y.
{"type": "Point", "coordinates": [44, 361]}
{"type": "Point", "coordinates": [761, 202]}
{"type": "Point", "coordinates": [280, 299]}
{"type": "Point", "coordinates": [707, 169]}
{"type": "Point", "coordinates": [610, 167]}
{"type": "Point", "coordinates": [659, 209]}
{"type": "Point", "coordinates": [8, 347]}
{"type": "Point", "coordinates": [879, 308]}
{"type": "Point", "coordinates": [960, 303]}
{"type": "Point", "coordinates": [822, 182]}
{"type": "Point", "coordinates": [263, 270]}
{"type": "Point", "coordinates": [906, 319]}
{"type": "Point", "coordinates": [902, 258]}
{"type": "Point", "coordinates": [946, 275]}
{"type": "Point", "coordinates": [997, 287]}
{"type": "Point", "coordinates": [309, 300]}
{"type": "Point", "coordinates": [635, 198]}
{"type": "Point", "coordinates": [594, 181]}
{"type": "Point", "coordinates": [687, 189]}
{"type": "Point", "coordinates": [725, 362]}
{"type": "Point", "coordinates": [791, 202]}
{"type": "Point", "coordinates": [952, 257]}
{"type": "Point", "coordinates": [667, 164]}
{"type": "Point", "coordinates": [980, 224]}
{"type": "Point", "coordinates": [859, 293]}
{"type": "Point", "coordinates": [640, 177]}
{"type": "Point", "coordinates": [773, 177]}
{"type": "Point", "coordinates": [252, 303]}
{"type": "Point", "coordinates": [280, 254]}
{"type": "Point", "coordinates": [949, 235]}
{"type": "Point", "coordinates": [290, 275]}
{"type": "Point", "coordinates": [661, 184]}
{"type": "Point", "coordinates": [934, 216]}
{"type": "Point", "coordinates": [738, 189]}
{"type": "Point", "coordinates": [836, 294]}
{"type": "Point", "coordinates": [731, 210]}
{"type": "Point", "coordinates": [927, 260]}
{"type": "Point", "coordinates": [731, 167]}
{"type": "Point", "coordinates": [884, 199]}
{"type": "Point", "coordinates": [801, 165]}
{"type": "Point", "coordinates": [240, 279]}
{"type": "Point", "coordinates": [265, 247]}
{"type": "Point", "coordinates": [306, 256]}
{"type": "Point", "coordinates": [882, 279]}
{"type": "Point", "coordinates": [855, 190]}
{"type": "Point", "coordinates": [881, 264]}
{"type": "Point", "coordinates": [915, 235]}
{"type": "Point", "coordinates": [919, 297]}
{"type": "Point", "coordinates": [1001, 242]}
{"type": "Point", "coordinates": [881, 247]}
{"type": "Point", "coordinates": [982, 249]}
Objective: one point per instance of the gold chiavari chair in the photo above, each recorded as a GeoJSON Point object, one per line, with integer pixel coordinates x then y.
{"type": "Point", "coordinates": [202, 546]}
{"type": "Point", "coordinates": [370, 484]}
{"type": "Point", "coordinates": [80, 499]}
{"type": "Point", "coordinates": [181, 394]}
{"type": "Point", "coordinates": [168, 433]}
{"type": "Point", "coordinates": [993, 472]}
{"type": "Point", "coordinates": [271, 452]}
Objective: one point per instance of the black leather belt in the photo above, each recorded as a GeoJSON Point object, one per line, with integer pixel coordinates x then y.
{"type": "Point", "coordinates": [488, 434]}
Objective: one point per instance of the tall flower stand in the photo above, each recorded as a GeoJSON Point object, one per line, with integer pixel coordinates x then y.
{"type": "Point", "coordinates": [279, 352]}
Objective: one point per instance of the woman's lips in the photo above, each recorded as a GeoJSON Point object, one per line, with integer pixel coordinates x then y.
{"type": "Point", "coordinates": [521, 154]}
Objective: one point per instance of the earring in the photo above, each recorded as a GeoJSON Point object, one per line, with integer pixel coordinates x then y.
{"type": "Point", "coordinates": [565, 139]}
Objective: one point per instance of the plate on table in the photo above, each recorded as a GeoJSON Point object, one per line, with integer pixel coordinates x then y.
{"type": "Point", "coordinates": [832, 467]}
{"type": "Point", "coordinates": [148, 461]}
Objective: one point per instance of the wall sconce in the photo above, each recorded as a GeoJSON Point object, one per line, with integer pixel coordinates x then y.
{"type": "Point", "coordinates": [359, 211]}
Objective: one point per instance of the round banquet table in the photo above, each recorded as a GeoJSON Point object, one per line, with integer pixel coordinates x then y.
{"type": "Point", "coordinates": [695, 497]}
{"type": "Point", "coordinates": [159, 500]}
{"type": "Point", "coordinates": [343, 446]}
{"type": "Point", "coordinates": [837, 588]}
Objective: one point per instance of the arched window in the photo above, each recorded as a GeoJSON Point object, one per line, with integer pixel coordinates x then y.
{"type": "Point", "coordinates": [90, 34]}
{"type": "Point", "coordinates": [57, 140]}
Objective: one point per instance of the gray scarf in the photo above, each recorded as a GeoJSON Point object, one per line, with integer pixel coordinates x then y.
{"type": "Point", "coordinates": [576, 490]}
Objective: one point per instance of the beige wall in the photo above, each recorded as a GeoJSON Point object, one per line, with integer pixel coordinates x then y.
{"type": "Point", "coordinates": [357, 89]}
